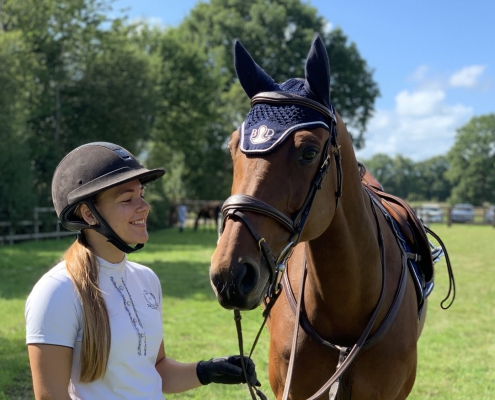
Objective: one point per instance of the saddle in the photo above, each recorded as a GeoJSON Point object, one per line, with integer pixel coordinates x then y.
{"type": "Point", "coordinates": [409, 224]}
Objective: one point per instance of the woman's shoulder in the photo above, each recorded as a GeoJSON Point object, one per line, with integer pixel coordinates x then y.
{"type": "Point", "coordinates": [138, 267]}
{"type": "Point", "coordinates": [141, 269]}
{"type": "Point", "coordinates": [53, 310]}
{"type": "Point", "coordinates": [57, 275]}
{"type": "Point", "coordinates": [55, 281]}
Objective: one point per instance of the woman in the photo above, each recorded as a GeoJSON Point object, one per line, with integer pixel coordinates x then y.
{"type": "Point", "coordinates": [93, 322]}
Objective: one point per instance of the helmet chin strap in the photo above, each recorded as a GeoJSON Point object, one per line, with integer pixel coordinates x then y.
{"type": "Point", "coordinates": [104, 229]}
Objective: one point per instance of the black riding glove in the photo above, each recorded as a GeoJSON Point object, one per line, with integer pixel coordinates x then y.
{"type": "Point", "coordinates": [227, 370]}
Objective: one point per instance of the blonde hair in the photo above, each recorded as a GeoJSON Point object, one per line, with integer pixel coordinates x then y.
{"type": "Point", "coordinates": [82, 267]}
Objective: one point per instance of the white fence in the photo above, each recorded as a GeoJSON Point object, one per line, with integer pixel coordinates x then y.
{"type": "Point", "coordinates": [8, 234]}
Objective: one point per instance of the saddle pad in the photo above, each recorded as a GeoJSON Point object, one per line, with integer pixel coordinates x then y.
{"type": "Point", "coordinates": [423, 288]}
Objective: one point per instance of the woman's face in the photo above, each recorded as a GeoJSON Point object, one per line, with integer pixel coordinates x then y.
{"type": "Point", "coordinates": [124, 209]}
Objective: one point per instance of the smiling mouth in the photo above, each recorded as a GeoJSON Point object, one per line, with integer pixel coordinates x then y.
{"type": "Point", "coordinates": [139, 222]}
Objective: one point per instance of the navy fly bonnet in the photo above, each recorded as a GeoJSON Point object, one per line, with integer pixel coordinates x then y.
{"type": "Point", "coordinates": [267, 125]}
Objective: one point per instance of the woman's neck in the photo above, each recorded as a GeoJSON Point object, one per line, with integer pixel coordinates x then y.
{"type": "Point", "coordinates": [101, 247]}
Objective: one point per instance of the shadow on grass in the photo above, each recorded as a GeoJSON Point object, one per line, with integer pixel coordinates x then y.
{"type": "Point", "coordinates": [15, 374]}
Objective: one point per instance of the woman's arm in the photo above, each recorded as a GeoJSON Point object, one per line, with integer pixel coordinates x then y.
{"type": "Point", "coordinates": [176, 377]}
{"type": "Point", "coordinates": [51, 367]}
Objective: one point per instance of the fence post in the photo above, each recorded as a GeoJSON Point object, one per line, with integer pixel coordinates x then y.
{"type": "Point", "coordinates": [36, 226]}
{"type": "Point", "coordinates": [449, 216]}
{"type": "Point", "coordinates": [11, 233]}
{"type": "Point", "coordinates": [57, 229]}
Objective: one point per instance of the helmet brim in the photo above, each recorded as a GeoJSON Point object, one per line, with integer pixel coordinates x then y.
{"type": "Point", "coordinates": [112, 179]}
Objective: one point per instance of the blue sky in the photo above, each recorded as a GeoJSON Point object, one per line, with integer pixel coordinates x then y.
{"type": "Point", "coordinates": [434, 62]}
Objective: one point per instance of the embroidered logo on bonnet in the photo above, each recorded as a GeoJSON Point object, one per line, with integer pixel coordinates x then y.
{"type": "Point", "coordinates": [261, 135]}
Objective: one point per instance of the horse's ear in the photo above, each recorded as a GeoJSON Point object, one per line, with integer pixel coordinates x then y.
{"type": "Point", "coordinates": [318, 71]}
{"type": "Point", "coordinates": [252, 78]}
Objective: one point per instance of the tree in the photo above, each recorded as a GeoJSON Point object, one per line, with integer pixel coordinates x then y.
{"type": "Point", "coordinates": [381, 167]}
{"type": "Point", "coordinates": [472, 161]}
{"type": "Point", "coordinates": [90, 82]}
{"type": "Point", "coordinates": [17, 199]}
{"type": "Point", "coordinates": [188, 137]}
{"type": "Point", "coordinates": [432, 183]}
{"type": "Point", "coordinates": [278, 33]}
{"type": "Point", "coordinates": [397, 175]}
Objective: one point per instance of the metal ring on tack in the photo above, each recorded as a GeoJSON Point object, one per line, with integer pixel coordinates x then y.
{"type": "Point", "coordinates": [260, 241]}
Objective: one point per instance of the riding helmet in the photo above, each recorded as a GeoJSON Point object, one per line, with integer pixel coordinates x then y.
{"type": "Point", "coordinates": [91, 169]}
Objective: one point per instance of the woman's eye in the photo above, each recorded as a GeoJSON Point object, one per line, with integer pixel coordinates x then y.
{"type": "Point", "coordinates": [309, 155]}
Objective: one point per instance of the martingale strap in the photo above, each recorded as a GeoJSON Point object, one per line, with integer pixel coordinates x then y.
{"type": "Point", "coordinates": [347, 355]}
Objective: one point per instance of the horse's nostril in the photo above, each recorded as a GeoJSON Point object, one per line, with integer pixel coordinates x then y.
{"type": "Point", "coordinates": [247, 279]}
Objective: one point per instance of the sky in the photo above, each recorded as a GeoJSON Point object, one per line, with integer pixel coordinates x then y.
{"type": "Point", "coordinates": [433, 60]}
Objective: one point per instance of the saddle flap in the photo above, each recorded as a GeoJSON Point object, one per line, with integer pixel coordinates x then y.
{"type": "Point", "coordinates": [410, 225]}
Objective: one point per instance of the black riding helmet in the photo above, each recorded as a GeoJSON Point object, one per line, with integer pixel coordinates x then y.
{"type": "Point", "coordinates": [88, 170]}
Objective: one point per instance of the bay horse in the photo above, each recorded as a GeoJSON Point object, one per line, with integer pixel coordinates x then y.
{"type": "Point", "coordinates": [208, 211]}
{"type": "Point", "coordinates": [344, 262]}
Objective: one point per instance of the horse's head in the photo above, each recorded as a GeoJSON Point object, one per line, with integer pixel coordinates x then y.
{"type": "Point", "coordinates": [280, 154]}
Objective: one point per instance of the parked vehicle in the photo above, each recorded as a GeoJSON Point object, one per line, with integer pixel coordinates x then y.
{"type": "Point", "coordinates": [430, 213]}
{"type": "Point", "coordinates": [490, 214]}
{"type": "Point", "coordinates": [463, 212]}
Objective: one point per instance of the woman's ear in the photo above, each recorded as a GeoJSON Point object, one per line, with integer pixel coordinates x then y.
{"type": "Point", "coordinates": [87, 215]}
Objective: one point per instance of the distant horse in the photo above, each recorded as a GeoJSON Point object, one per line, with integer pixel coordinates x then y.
{"type": "Point", "coordinates": [351, 289]}
{"type": "Point", "coordinates": [208, 212]}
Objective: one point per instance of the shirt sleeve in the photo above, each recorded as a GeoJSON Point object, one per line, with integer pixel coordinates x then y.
{"type": "Point", "coordinates": [53, 312]}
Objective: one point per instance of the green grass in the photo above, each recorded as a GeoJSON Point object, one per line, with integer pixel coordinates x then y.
{"type": "Point", "coordinates": [456, 350]}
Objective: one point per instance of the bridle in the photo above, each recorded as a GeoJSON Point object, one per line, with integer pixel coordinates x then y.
{"type": "Point", "coordinates": [234, 206]}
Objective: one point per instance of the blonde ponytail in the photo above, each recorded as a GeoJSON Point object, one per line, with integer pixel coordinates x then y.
{"type": "Point", "coordinates": [82, 267]}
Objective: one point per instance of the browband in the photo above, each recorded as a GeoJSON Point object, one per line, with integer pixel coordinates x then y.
{"type": "Point", "coordinates": [290, 98]}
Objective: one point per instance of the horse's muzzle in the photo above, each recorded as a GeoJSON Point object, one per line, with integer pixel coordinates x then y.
{"type": "Point", "coordinates": [239, 286]}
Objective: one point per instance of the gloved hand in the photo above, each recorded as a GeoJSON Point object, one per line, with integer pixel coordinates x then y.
{"type": "Point", "coordinates": [226, 370]}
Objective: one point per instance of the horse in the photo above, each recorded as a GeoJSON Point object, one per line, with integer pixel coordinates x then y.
{"type": "Point", "coordinates": [298, 193]}
{"type": "Point", "coordinates": [208, 211]}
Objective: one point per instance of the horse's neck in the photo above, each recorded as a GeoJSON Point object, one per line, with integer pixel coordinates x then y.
{"type": "Point", "coordinates": [344, 279]}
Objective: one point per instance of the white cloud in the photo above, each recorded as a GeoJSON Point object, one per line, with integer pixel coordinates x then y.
{"type": "Point", "coordinates": [419, 103]}
{"type": "Point", "coordinates": [421, 125]}
{"type": "Point", "coordinates": [327, 28]}
{"type": "Point", "coordinates": [420, 73]}
{"type": "Point", "coordinates": [467, 77]}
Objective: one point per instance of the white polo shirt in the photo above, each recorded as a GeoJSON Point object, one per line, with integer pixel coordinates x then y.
{"type": "Point", "coordinates": [133, 296]}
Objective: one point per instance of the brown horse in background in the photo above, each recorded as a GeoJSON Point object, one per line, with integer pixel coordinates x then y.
{"type": "Point", "coordinates": [207, 212]}
{"type": "Point", "coordinates": [352, 256]}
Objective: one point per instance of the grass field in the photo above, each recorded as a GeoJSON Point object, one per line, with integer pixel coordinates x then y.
{"type": "Point", "coordinates": [456, 351]}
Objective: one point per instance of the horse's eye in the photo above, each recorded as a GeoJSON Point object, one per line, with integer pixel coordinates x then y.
{"type": "Point", "coordinates": [308, 156]}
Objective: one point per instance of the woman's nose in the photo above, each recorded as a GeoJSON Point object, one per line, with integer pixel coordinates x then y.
{"type": "Point", "coordinates": [143, 206]}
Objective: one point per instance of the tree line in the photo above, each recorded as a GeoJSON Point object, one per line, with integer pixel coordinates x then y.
{"type": "Point", "coordinates": [71, 74]}
{"type": "Point", "coordinates": [466, 174]}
